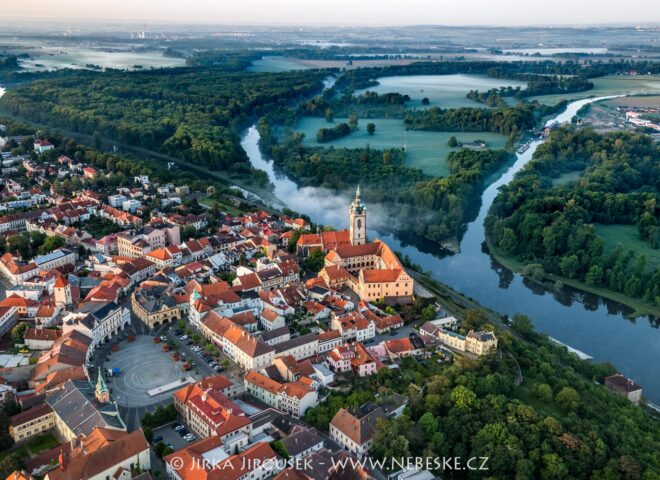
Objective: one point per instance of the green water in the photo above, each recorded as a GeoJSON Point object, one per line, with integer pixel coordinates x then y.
{"type": "Point", "coordinates": [425, 150]}
{"type": "Point", "coordinates": [446, 91]}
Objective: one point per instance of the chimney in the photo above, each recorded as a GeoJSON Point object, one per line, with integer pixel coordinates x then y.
{"type": "Point", "coordinates": [75, 442]}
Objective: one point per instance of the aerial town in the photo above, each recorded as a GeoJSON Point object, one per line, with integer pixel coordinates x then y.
{"type": "Point", "coordinates": [178, 348]}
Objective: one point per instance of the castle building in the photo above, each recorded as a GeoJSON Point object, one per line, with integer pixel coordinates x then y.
{"type": "Point", "coordinates": [371, 269]}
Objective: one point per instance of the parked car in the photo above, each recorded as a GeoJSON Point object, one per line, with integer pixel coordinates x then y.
{"type": "Point", "coordinates": [183, 432]}
{"type": "Point", "coordinates": [218, 369]}
{"type": "Point", "coordinates": [392, 333]}
{"type": "Point", "coordinates": [183, 337]}
{"type": "Point", "coordinates": [178, 427]}
{"type": "Point", "coordinates": [157, 438]}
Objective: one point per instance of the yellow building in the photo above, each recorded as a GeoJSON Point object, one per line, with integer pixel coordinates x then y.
{"type": "Point", "coordinates": [154, 305]}
{"type": "Point", "coordinates": [32, 422]}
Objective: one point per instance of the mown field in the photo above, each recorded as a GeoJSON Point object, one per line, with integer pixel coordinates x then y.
{"type": "Point", "coordinates": [628, 236]}
{"type": "Point", "coordinates": [427, 151]}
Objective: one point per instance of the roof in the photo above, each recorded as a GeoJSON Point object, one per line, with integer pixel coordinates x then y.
{"type": "Point", "coordinates": [622, 384]}
{"type": "Point", "coordinates": [45, 334]}
{"type": "Point", "coordinates": [359, 427]}
{"type": "Point", "coordinates": [30, 414]}
{"type": "Point", "coordinates": [263, 382]}
{"type": "Point", "coordinates": [301, 439]}
{"type": "Point", "coordinates": [86, 461]}
{"type": "Point", "coordinates": [75, 403]}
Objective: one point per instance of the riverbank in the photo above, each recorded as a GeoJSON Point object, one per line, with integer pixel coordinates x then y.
{"type": "Point", "coordinates": [639, 307]}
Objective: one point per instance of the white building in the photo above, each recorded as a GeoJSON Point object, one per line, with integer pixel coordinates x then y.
{"type": "Point", "coordinates": [98, 321]}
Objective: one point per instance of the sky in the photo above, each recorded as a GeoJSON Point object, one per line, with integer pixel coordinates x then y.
{"type": "Point", "coordinates": [343, 12]}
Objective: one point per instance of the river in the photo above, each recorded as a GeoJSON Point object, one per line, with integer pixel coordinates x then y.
{"type": "Point", "coordinates": [584, 321]}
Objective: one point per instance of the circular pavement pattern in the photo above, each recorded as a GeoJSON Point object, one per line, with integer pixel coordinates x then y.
{"type": "Point", "coordinates": [144, 365]}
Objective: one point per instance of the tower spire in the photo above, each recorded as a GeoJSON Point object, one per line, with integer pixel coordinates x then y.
{"type": "Point", "coordinates": [357, 220]}
{"type": "Point", "coordinates": [102, 392]}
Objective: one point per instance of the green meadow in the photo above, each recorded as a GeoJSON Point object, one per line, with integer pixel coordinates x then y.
{"type": "Point", "coordinates": [427, 151]}
{"type": "Point", "coordinates": [445, 91]}
{"type": "Point", "coordinates": [628, 236]}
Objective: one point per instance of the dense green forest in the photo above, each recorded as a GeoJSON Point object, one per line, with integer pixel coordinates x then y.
{"type": "Point", "coordinates": [333, 133]}
{"type": "Point", "coordinates": [557, 424]}
{"type": "Point", "coordinates": [545, 85]}
{"type": "Point", "coordinates": [367, 105]}
{"type": "Point", "coordinates": [194, 114]}
{"type": "Point", "coordinates": [530, 71]}
{"type": "Point", "coordinates": [510, 121]}
{"type": "Point", "coordinates": [408, 194]}
{"type": "Point", "coordinates": [553, 227]}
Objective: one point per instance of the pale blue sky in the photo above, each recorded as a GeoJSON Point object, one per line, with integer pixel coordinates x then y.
{"type": "Point", "coordinates": [345, 12]}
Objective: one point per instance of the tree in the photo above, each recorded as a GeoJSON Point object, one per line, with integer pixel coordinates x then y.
{"type": "Point", "coordinates": [543, 392]}
{"type": "Point", "coordinates": [10, 463]}
{"type": "Point", "coordinates": [18, 332]}
{"type": "Point", "coordinates": [425, 101]}
{"type": "Point", "coordinates": [567, 398]}
{"type": "Point", "coordinates": [428, 313]}
{"type": "Point", "coordinates": [6, 440]}
{"type": "Point", "coordinates": [463, 397]}
{"type": "Point", "coordinates": [329, 115]}
{"type": "Point", "coordinates": [569, 266]}
{"type": "Point", "coordinates": [97, 140]}
{"type": "Point", "coordinates": [453, 143]}
{"type": "Point", "coordinates": [353, 122]}
{"type": "Point", "coordinates": [371, 128]}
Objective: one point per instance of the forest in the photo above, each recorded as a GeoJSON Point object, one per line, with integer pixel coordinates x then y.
{"type": "Point", "coordinates": [407, 193]}
{"type": "Point", "coordinates": [537, 85]}
{"type": "Point", "coordinates": [553, 227]}
{"type": "Point", "coordinates": [367, 77]}
{"type": "Point", "coordinates": [559, 423]}
{"type": "Point", "coordinates": [194, 114]}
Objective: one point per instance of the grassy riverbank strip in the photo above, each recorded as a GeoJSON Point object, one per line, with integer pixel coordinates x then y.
{"type": "Point", "coordinates": [548, 280]}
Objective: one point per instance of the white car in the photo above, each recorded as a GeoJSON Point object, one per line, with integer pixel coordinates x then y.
{"type": "Point", "coordinates": [183, 337]}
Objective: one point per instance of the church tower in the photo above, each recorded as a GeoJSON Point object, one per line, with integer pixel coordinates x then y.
{"type": "Point", "coordinates": [102, 392]}
{"type": "Point", "coordinates": [358, 220]}
{"type": "Point", "coordinates": [62, 291]}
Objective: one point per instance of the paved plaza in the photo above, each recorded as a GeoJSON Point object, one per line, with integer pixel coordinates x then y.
{"type": "Point", "coordinates": [144, 367]}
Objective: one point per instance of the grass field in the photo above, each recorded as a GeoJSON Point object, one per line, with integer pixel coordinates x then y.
{"type": "Point", "coordinates": [526, 395]}
{"type": "Point", "coordinates": [628, 236]}
{"type": "Point", "coordinates": [33, 446]}
{"type": "Point", "coordinates": [427, 151]}
{"type": "Point", "coordinates": [639, 101]}
{"type": "Point", "coordinates": [446, 91]}
{"type": "Point", "coordinates": [283, 64]}
{"type": "Point", "coordinates": [225, 207]}
{"type": "Point", "coordinates": [610, 85]}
